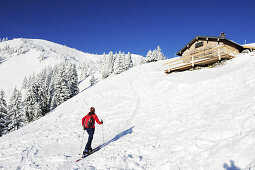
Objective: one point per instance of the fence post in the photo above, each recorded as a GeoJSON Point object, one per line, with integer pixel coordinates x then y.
{"type": "Point", "coordinates": [219, 54]}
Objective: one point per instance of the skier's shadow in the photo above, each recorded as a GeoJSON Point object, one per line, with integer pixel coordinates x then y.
{"type": "Point", "coordinates": [117, 137]}
{"type": "Point", "coordinates": [231, 167]}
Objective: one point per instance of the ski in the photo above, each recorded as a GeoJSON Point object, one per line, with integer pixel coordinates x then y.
{"type": "Point", "coordinates": [86, 155]}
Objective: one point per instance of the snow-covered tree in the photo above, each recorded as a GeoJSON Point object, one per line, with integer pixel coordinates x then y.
{"type": "Point", "coordinates": [73, 80]}
{"type": "Point", "coordinates": [61, 88]}
{"type": "Point", "coordinates": [119, 66]}
{"type": "Point", "coordinates": [32, 110]}
{"type": "Point", "coordinates": [15, 111]}
{"type": "Point", "coordinates": [4, 119]}
{"type": "Point", "coordinates": [92, 80]}
{"type": "Point", "coordinates": [25, 83]}
{"type": "Point", "coordinates": [50, 88]}
{"type": "Point", "coordinates": [103, 66]}
{"type": "Point", "coordinates": [128, 61]}
{"type": "Point", "coordinates": [110, 60]}
{"type": "Point", "coordinates": [42, 57]}
{"type": "Point", "coordinates": [159, 54]}
{"type": "Point", "coordinates": [149, 56]}
{"type": "Point", "coordinates": [107, 65]}
{"type": "Point", "coordinates": [85, 71]}
{"type": "Point", "coordinates": [154, 55]}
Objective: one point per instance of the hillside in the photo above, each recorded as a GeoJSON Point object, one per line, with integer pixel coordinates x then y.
{"type": "Point", "coordinates": [202, 119]}
{"type": "Point", "coordinates": [25, 57]}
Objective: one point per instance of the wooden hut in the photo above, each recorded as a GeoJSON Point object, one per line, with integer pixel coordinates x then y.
{"type": "Point", "coordinates": [204, 50]}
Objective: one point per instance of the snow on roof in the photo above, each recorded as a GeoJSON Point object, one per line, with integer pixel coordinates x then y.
{"type": "Point", "coordinates": [249, 45]}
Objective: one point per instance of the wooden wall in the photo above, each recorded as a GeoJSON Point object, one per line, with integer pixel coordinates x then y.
{"type": "Point", "coordinates": [206, 45]}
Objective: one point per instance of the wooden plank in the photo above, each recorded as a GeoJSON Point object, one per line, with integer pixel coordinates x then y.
{"type": "Point", "coordinates": [196, 58]}
{"type": "Point", "coordinates": [180, 68]}
{"type": "Point", "coordinates": [207, 61]}
{"type": "Point", "coordinates": [212, 49]}
{"type": "Point", "coordinates": [173, 61]}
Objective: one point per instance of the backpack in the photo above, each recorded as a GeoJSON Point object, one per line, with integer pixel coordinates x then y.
{"type": "Point", "coordinates": [89, 121]}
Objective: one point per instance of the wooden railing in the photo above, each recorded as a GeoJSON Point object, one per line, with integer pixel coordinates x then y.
{"type": "Point", "coordinates": [200, 56]}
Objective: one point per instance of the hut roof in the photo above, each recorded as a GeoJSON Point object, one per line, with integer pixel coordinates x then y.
{"type": "Point", "coordinates": [208, 38]}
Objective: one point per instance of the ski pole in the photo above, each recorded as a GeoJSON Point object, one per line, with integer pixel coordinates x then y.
{"type": "Point", "coordinates": [82, 140]}
{"type": "Point", "coordinates": [103, 132]}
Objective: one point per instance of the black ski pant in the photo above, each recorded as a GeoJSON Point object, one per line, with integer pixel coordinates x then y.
{"type": "Point", "coordinates": [90, 132]}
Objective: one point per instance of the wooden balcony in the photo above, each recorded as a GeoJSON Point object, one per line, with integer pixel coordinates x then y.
{"type": "Point", "coordinates": [202, 58]}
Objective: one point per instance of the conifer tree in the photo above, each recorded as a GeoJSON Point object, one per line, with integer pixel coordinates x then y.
{"type": "Point", "coordinates": [73, 80]}
{"type": "Point", "coordinates": [84, 71]}
{"type": "Point", "coordinates": [32, 110]}
{"type": "Point", "coordinates": [61, 88]}
{"type": "Point", "coordinates": [4, 119]}
{"type": "Point", "coordinates": [159, 54]}
{"type": "Point", "coordinates": [25, 83]}
{"type": "Point", "coordinates": [128, 61]}
{"type": "Point", "coordinates": [111, 62]}
{"type": "Point", "coordinates": [92, 80]}
{"type": "Point", "coordinates": [15, 111]}
{"type": "Point", "coordinates": [148, 56]}
{"type": "Point", "coordinates": [119, 64]}
{"type": "Point", "coordinates": [107, 65]}
{"type": "Point", "coordinates": [102, 63]}
{"type": "Point", "coordinates": [154, 55]}
{"type": "Point", "coordinates": [104, 67]}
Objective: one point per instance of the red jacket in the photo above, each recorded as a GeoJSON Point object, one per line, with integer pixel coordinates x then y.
{"type": "Point", "coordinates": [94, 117]}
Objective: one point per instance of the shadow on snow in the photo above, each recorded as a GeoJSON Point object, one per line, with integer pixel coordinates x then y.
{"type": "Point", "coordinates": [117, 137]}
{"type": "Point", "coordinates": [231, 167]}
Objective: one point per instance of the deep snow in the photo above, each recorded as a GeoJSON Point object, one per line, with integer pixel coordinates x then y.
{"type": "Point", "coordinates": [199, 119]}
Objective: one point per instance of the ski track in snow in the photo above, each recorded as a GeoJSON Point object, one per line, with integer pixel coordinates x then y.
{"type": "Point", "coordinates": [198, 120]}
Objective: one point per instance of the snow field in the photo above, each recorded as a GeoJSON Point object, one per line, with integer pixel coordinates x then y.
{"type": "Point", "coordinates": [187, 120]}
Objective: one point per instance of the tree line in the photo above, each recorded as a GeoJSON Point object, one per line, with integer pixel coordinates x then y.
{"type": "Point", "coordinates": [120, 62]}
{"type": "Point", "coordinates": [44, 92]}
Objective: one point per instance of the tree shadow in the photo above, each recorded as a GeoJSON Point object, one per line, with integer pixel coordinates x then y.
{"type": "Point", "coordinates": [118, 136]}
{"type": "Point", "coordinates": [231, 167]}
{"type": "Point", "coordinates": [96, 81]}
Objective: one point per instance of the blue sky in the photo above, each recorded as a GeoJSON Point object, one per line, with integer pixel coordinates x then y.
{"type": "Point", "coordinates": [98, 26]}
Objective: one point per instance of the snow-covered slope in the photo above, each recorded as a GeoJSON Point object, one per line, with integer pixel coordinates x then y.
{"type": "Point", "coordinates": [23, 57]}
{"type": "Point", "coordinates": [202, 119]}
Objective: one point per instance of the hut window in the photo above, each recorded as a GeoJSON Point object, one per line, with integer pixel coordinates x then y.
{"type": "Point", "coordinates": [199, 44]}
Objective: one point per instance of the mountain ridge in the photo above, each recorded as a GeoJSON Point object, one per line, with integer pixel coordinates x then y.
{"type": "Point", "coordinates": [24, 57]}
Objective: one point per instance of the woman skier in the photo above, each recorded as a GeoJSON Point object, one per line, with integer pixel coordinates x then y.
{"type": "Point", "coordinates": [88, 123]}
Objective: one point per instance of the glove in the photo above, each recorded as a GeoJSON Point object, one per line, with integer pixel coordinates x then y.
{"type": "Point", "coordinates": [102, 121]}
{"type": "Point", "coordinates": [84, 127]}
